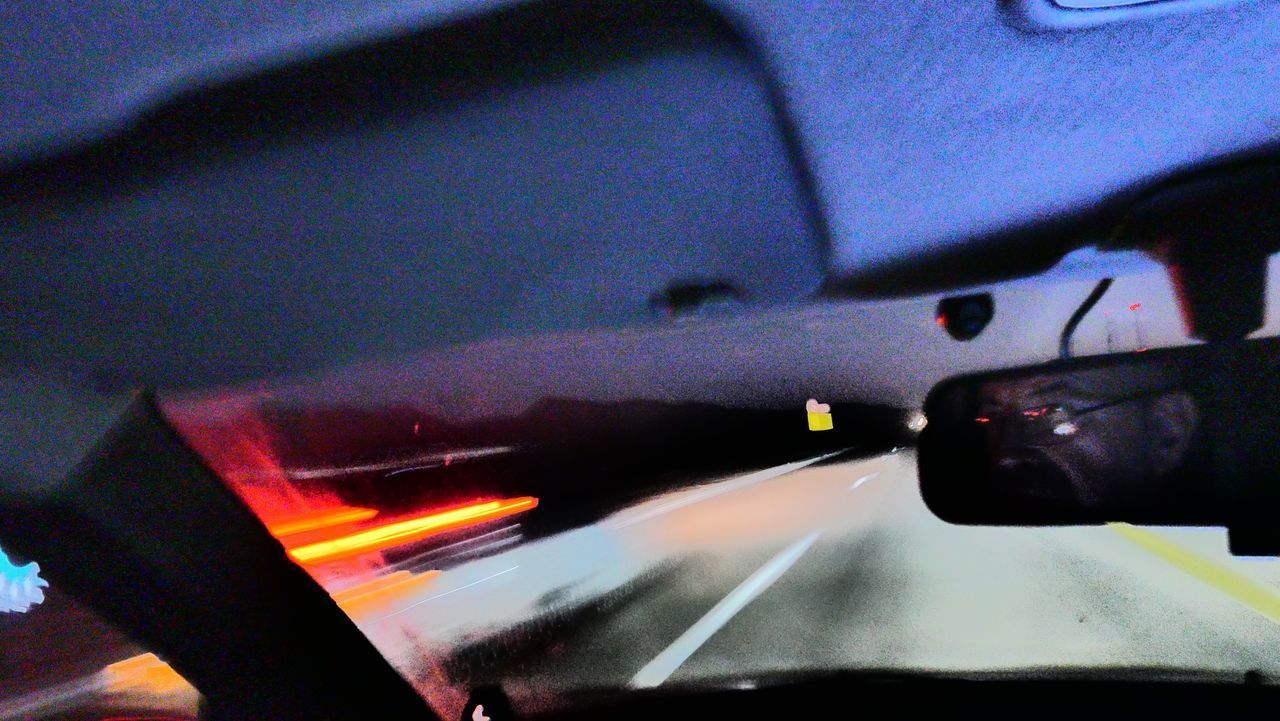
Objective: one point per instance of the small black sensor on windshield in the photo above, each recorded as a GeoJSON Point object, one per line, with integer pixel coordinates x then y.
{"type": "Point", "coordinates": [964, 317]}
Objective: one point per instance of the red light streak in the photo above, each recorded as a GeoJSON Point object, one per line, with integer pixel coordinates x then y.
{"type": "Point", "coordinates": [409, 530]}
{"type": "Point", "coordinates": [1135, 306]}
{"type": "Point", "coordinates": [982, 419]}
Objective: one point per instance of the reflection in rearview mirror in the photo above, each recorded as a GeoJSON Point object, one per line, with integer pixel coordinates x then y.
{"type": "Point", "coordinates": [1126, 437]}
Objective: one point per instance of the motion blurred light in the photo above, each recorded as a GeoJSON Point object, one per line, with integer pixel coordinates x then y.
{"type": "Point", "coordinates": [917, 421]}
{"type": "Point", "coordinates": [409, 530]}
{"type": "Point", "coordinates": [965, 316]}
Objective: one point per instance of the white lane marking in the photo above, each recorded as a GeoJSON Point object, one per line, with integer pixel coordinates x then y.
{"type": "Point", "coordinates": [446, 593]}
{"type": "Point", "coordinates": [719, 488]}
{"type": "Point", "coordinates": [863, 480]}
{"type": "Point", "coordinates": [666, 663]}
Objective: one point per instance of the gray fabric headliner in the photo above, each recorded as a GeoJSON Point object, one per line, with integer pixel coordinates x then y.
{"type": "Point", "coordinates": [927, 123]}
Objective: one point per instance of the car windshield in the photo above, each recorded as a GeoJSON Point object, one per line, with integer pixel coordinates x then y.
{"type": "Point", "coordinates": [549, 368]}
{"type": "Point", "coordinates": [537, 517]}
{"type": "Point", "coordinates": [600, 510]}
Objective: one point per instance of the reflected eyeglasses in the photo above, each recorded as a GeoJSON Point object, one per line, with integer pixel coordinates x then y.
{"type": "Point", "coordinates": [1052, 423]}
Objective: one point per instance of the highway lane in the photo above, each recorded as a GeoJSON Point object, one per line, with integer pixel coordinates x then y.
{"type": "Point", "coordinates": [870, 580]}
{"type": "Point", "coordinates": [810, 566]}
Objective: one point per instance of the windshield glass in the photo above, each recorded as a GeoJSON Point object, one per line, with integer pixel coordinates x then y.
{"type": "Point", "coordinates": [625, 509]}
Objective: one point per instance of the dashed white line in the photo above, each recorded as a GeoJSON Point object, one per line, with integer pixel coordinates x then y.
{"type": "Point", "coordinates": [863, 480]}
{"type": "Point", "coordinates": [666, 663]}
{"type": "Point", "coordinates": [719, 488]}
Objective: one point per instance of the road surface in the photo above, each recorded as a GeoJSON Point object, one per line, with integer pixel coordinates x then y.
{"type": "Point", "coordinates": [841, 566]}
{"type": "Point", "coordinates": [809, 566]}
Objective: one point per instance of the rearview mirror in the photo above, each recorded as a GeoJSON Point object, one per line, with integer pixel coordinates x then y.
{"type": "Point", "coordinates": [1182, 436]}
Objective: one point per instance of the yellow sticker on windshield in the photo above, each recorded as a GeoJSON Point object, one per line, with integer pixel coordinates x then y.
{"type": "Point", "coordinates": [819, 415]}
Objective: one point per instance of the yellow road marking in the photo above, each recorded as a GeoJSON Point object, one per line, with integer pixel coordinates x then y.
{"type": "Point", "coordinates": [1261, 598]}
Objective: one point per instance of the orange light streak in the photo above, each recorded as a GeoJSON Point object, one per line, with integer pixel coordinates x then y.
{"type": "Point", "coordinates": [408, 530]}
{"type": "Point", "coordinates": [314, 521]}
{"type": "Point", "coordinates": [381, 593]}
{"type": "Point", "coordinates": [145, 673]}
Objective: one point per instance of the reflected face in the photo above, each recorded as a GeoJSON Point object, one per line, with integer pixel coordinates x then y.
{"type": "Point", "coordinates": [1096, 439]}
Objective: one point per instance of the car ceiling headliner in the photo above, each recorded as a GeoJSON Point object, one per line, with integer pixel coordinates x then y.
{"type": "Point", "coordinates": [928, 125]}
